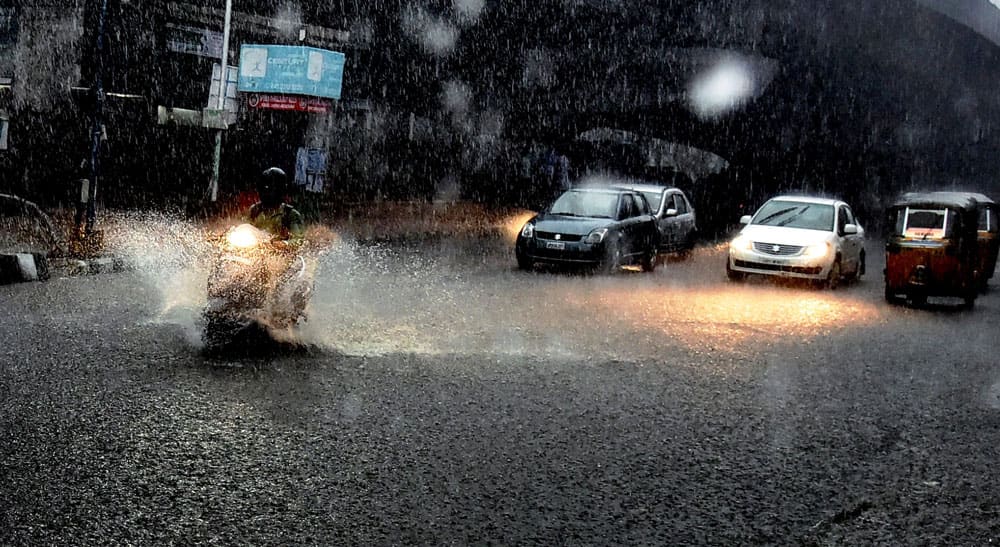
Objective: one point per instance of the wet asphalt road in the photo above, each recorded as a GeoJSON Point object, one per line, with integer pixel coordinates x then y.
{"type": "Point", "coordinates": [441, 397]}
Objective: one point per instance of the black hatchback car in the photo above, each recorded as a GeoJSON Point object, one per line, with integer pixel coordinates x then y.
{"type": "Point", "coordinates": [603, 227]}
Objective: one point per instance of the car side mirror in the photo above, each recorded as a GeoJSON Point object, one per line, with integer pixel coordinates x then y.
{"type": "Point", "coordinates": [670, 212]}
{"type": "Point", "coordinates": [850, 229]}
{"type": "Point", "coordinates": [745, 219]}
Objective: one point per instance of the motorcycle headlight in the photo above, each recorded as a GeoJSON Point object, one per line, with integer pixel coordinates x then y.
{"type": "Point", "coordinates": [818, 250]}
{"type": "Point", "coordinates": [243, 237]}
{"type": "Point", "coordinates": [741, 243]}
{"type": "Point", "coordinates": [528, 230]}
{"type": "Point", "coordinates": [596, 236]}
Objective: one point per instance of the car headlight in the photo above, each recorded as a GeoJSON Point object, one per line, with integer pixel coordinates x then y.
{"type": "Point", "coordinates": [819, 250]}
{"type": "Point", "coordinates": [596, 236]}
{"type": "Point", "coordinates": [741, 243]}
{"type": "Point", "coordinates": [528, 230]}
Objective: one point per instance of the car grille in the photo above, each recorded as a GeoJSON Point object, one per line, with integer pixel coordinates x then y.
{"type": "Point", "coordinates": [562, 237]}
{"type": "Point", "coordinates": [807, 270]}
{"type": "Point", "coordinates": [776, 249]}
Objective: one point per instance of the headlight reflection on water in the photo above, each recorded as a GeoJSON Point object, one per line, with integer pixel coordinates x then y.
{"type": "Point", "coordinates": [735, 318]}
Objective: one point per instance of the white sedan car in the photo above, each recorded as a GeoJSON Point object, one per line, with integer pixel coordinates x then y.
{"type": "Point", "coordinates": [803, 237]}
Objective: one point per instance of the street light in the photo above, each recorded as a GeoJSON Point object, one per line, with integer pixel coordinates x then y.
{"type": "Point", "coordinates": [724, 87]}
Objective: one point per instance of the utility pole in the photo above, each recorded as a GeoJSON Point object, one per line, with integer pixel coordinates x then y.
{"type": "Point", "coordinates": [213, 187]}
{"type": "Point", "coordinates": [98, 122]}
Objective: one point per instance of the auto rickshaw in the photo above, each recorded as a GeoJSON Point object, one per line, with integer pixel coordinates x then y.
{"type": "Point", "coordinates": [989, 238]}
{"type": "Point", "coordinates": [933, 248]}
{"type": "Point", "coordinates": [988, 230]}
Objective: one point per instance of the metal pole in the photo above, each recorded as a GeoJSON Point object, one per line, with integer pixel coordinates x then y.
{"type": "Point", "coordinates": [217, 155]}
{"type": "Point", "coordinates": [97, 129]}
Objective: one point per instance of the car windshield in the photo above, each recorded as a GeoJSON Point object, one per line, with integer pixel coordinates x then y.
{"type": "Point", "coordinates": [653, 198]}
{"type": "Point", "coordinates": [586, 204]}
{"type": "Point", "coordinates": [795, 214]}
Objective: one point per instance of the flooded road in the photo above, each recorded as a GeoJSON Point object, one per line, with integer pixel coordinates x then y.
{"type": "Point", "coordinates": [442, 396]}
{"type": "Point", "coordinates": [431, 304]}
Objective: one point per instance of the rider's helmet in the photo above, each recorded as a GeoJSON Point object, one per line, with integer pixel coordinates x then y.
{"type": "Point", "coordinates": [271, 186]}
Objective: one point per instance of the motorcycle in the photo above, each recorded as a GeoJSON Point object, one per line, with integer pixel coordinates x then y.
{"type": "Point", "coordinates": [256, 284]}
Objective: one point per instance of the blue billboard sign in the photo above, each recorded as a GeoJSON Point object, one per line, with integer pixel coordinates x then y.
{"type": "Point", "coordinates": [292, 70]}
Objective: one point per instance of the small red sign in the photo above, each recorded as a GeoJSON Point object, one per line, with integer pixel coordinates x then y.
{"type": "Point", "coordinates": [288, 102]}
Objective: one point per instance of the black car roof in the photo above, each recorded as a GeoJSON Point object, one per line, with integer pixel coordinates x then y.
{"type": "Point", "coordinates": [981, 198]}
{"type": "Point", "coordinates": [957, 200]}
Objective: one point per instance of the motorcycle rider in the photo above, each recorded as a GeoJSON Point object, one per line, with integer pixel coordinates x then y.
{"type": "Point", "coordinates": [274, 215]}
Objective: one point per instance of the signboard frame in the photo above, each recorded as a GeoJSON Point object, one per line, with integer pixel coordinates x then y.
{"type": "Point", "coordinates": [291, 70]}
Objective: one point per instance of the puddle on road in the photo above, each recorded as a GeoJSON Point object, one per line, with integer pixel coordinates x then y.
{"type": "Point", "coordinates": [427, 307]}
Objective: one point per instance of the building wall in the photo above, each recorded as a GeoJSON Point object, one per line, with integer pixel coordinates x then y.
{"type": "Point", "coordinates": [39, 54]}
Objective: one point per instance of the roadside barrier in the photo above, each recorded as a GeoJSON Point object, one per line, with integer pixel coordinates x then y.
{"type": "Point", "coordinates": [20, 267]}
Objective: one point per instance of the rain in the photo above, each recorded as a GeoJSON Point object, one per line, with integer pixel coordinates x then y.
{"type": "Point", "coordinates": [295, 273]}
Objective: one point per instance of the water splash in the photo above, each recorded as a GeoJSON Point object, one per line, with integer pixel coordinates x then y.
{"type": "Point", "coordinates": [173, 257]}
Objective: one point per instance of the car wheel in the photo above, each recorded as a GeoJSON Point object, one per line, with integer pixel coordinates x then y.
{"type": "Point", "coordinates": [833, 278]}
{"type": "Point", "coordinates": [649, 261]}
{"type": "Point", "coordinates": [732, 274]}
{"type": "Point", "coordinates": [861, 267]}
{"type": "Point", "coordinates": [612, 258]}
{"type": "Point", "coordinates": [688, 247]}
{"type": "Point", "coordinates": [525, 263]}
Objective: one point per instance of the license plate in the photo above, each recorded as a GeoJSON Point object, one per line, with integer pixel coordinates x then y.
{"type": "Point", "coordinates": [558, 245]}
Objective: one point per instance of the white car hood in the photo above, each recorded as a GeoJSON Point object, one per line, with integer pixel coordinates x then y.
{"type": "Point", "coordinates": [786, 236]}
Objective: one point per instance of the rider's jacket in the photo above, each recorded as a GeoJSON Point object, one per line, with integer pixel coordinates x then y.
{"type": "Point", "coordinates": [283, 221]}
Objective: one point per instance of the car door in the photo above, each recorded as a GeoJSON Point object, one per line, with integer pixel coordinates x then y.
{"type": "Point", "coordinates": [647, 229]}
{"type": "Point", "coordinates": [851, 244]}
{"type": "Point", "coordinates": [629, 222]}
{"type": "Point", "coordinates": [658, 210]}
{"type": "Point", "coordinates": [672, 219]}
{"type": "Point", "coordinates": [686, 220]}
{"type": "Point", "coordinates": [622, 223]}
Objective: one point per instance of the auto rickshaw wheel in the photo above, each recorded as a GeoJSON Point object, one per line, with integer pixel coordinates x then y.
{"type": "Point", "coordinates": [970, 299]}
{"type": "Point", "coordinates": [891, 297]}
